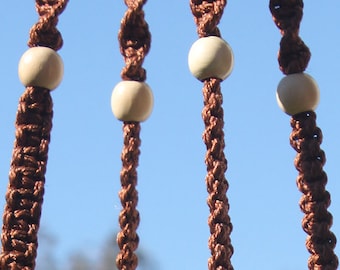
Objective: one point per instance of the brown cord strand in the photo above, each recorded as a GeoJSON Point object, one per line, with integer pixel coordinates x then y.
{"type": "Point", "coordinates": [306, 139]}
{"type": "Point", "coordinates": [294, 55]}
{"type": "Point", "coordinates": [217, 185]}
{"type": "Point", "coordinates": [24, 196]}
{"type": "Point", "coordinates": [25, 191]}
{"type": "Point", "coordinates": [129, 217]}
{"type": "Point", "coordinates": [207, 15]}
{"type": "Point", "coordinates": [135, 40]}
{"type": "Point", "coordinates": [44, 32]}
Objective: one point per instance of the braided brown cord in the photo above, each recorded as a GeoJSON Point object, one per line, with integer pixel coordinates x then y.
{"type": "Point", "coordinates": [294, 55]}
{"type": "Point", "coordinates": [25, 191]}
{"type": "Point", "coordinates": [44, 32]}
{"type": "Point", "coordinates": [134, 39]}
{"type": "Point", "coordinates": [306, 138]}
{"type": "Point", "coordinates": [207, 15]}
{"type": "Point", "coordinates": [217, 185]}
{"type": "Point", "coordinates": [129, 217]}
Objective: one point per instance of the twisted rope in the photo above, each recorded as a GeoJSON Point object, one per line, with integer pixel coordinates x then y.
{"type": "Point", "coordinates": [306, 139]}
{"type": "Point", "coordinates": [217, 185]}
{"type": "Point", "coordinates": [127, 238]}
{"type": "Point", "coordinates": [294, 55]}
{"type": "Point", "coordinates": [207, 15]}
{"type": "Point", "coordinates": [24, 196]}
{"type": "Point", "coordinates": [44, 32]}
{"type": "Point", "coordinates": [134, 39]}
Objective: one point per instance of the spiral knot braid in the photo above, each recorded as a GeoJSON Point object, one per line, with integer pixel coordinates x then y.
{"type": "Point", "coordinates": [207, 15]}
{"type": "Point", "coordinates": [294, 55]}
{"type": "Point", "coordinates": [135, 39]}
{"type": "Point", "coordinates": [129, 217]}
{"type": "Point", "coordinates": [306, 139]}
{"type": "Point", "coordinates": [217, 185]}
{"type": "Point", "coordinates": [44, 32]}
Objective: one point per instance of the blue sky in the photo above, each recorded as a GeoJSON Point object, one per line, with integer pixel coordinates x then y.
{"type": "Point", "coordinates": [81, 204]}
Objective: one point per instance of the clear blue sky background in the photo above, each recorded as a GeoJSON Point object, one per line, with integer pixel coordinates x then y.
{"type": "Point", "coordinates": [81, 204]}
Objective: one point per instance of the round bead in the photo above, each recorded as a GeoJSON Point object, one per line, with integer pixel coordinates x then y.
{"type": "Point", "coordinates": [210, 57]}
{"type": "Point", "coordinates": [132, 101]}
{"type": "Point", "coordinates": [297, 93]}
{"type": "Point", "coordinates": [42, 67]}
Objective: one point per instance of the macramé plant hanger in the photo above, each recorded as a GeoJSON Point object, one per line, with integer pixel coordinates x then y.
{"type": "Point", "coordinates": [210, 61]}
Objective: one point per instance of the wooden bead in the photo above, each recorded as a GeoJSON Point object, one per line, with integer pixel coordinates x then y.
{"type": "Point", "coordinates": [297, 93]}
{"type": "Point", "coordinates": [210, 57]}
{"type": "Point", "coordinates": [42, 67]}
{"type": "Point", "coordinates": [132, 101]}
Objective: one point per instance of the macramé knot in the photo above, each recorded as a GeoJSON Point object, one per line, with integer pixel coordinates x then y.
{"type": "Point", "coordinates": [135, 40]}
{"type": "Point", "coordinates": [294, 55]}
{"type": "Point", "coordinates": [207, 15]}
{"type": "Point", "coordinates": [44, 32]}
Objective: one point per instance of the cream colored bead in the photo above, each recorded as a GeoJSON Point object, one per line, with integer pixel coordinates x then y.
{"type": "Point", "coordinates": [42, 67]}
{"type": "Point", "coordinates": [132, 101]}
{"type": "Point", "coordinates": [297, 93]}
{"type": "Point", "coordinates": [210, 57]}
